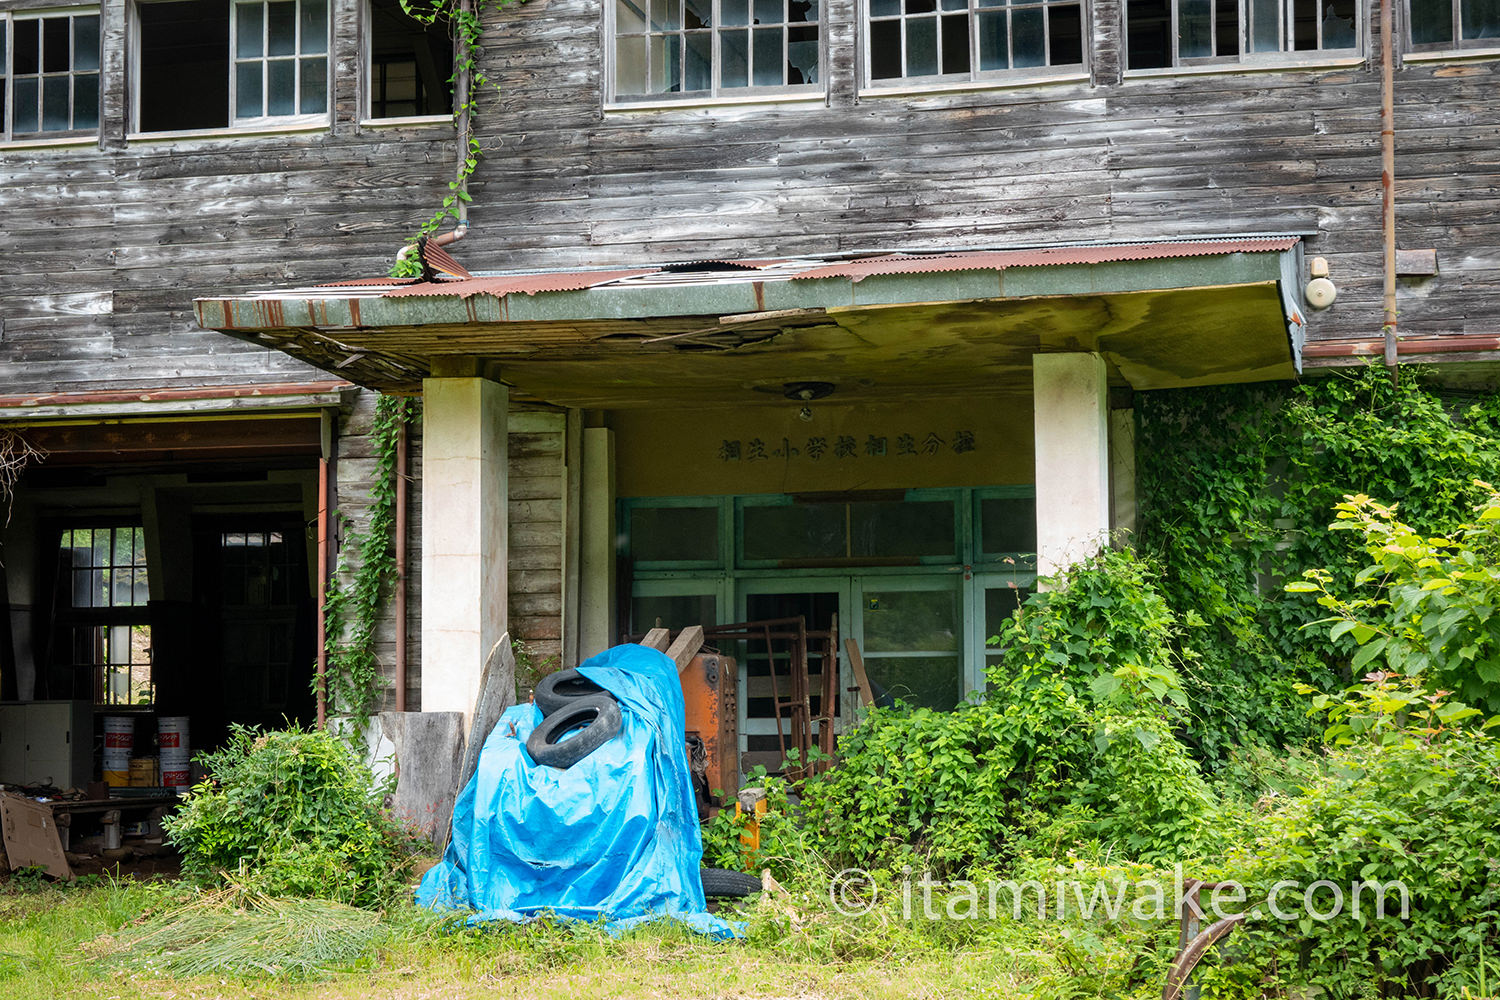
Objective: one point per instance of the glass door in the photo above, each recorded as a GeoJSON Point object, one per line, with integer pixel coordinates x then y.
{"type": "Point", "coordinates": [911, 635]}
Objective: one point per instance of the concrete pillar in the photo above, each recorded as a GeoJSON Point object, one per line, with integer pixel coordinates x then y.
{"type": "Point", "coordinates": [596, 591]}
{"type": "Point", "coordinates": [465, 545]}
{"type": "Point", "coordinates": [1122, 474]}
{"type": "Point", "coordinates": [1072, 458]}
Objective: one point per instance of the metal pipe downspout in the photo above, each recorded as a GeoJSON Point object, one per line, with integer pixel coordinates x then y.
{"type": "Point", "coordinates": [1388, 178]}
{"type": "Point", "coordinates": [322, 591]}
{"type": "Point", "coordinates": [401, 463]}
{"type": "Point", "coordinates": [462, 84]}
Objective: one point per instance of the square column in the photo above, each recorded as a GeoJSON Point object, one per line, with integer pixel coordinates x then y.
{"type": "Point", "coordinates": [465, 528]}
{"type": "Point", "coordinates": [1072, 458]}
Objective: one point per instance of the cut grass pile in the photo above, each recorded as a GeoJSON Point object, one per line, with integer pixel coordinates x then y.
{"type": "Point", "coordinates": [123, 940]}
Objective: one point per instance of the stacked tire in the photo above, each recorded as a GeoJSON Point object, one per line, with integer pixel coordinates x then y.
{"type": "Point", "coordinates": [569, 701]}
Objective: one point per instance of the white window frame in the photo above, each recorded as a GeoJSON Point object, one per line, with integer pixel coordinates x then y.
{"type": "Point", "coordinates": [262, 123]}
{"type": "Point", "coordinates": [717, 93]}
{"type": "Point", "coordinates": [1456, 45]}
{"type": "Point", "coordinates": [7, 107]}
{"type": "Point", "coordinates": [367, 77]}
{"type": "Point", "coordinates": [975, 75]}
{"type": "Point", "coordinates": [1280, 57]}
{"type": "Point", "coordinates": [296, 58]}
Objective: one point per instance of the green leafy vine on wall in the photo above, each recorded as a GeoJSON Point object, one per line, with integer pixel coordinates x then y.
{"type": "Point", "coordinates": [468, 29]}
{"type": "Point", "coordinates": [356, 597]}
{"type": "Point", "coordinates": [1237, 487]}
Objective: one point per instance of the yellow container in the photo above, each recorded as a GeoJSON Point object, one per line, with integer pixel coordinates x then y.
{"type": "Point", "coordinates": [143, 772]}
{"type": "Point", "coordinates": [117, 779]}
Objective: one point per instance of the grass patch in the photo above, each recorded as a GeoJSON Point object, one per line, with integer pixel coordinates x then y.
{"type": "Point", "coordinates": [125, 939]}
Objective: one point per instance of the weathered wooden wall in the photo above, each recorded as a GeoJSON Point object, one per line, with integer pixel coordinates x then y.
{"type": "Point", "coordinates": [105, 246]}
{"type": "Point", "coordinates": [1294, 150]}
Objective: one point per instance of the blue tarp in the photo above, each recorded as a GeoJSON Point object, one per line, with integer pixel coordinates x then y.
{"type": "Point", "coordinates": [615, 836]}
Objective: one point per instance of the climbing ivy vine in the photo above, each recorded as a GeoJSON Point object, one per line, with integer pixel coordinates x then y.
{"type": "Point", "coordinates": [1238, 486]}
{"type": "Point", "coordinates": [468, 29]}
{"type": "Point", "coordinates": [361, 582]}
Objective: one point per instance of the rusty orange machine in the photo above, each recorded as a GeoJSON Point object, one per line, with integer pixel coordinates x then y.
{"type": "Point", "coordinates": [708, 682]}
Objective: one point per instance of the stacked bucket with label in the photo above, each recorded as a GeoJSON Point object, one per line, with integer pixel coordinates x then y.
{"type": "Point", "coordinates": [119, 743]}
{"type": "Point", "coordinates": [121, 768]}
{"type": "Point", "coordinates": [172, 738]}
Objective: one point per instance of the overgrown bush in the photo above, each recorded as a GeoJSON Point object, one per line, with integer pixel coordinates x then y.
{"type": "Point", "coordinates": [1423, 606]}
{"type": "Point", "coordinates": [1419, 813]}
{"type": "Point", "coordinates": [1075, 739]}
{"type": "Point", "coordinates": [290, 813]}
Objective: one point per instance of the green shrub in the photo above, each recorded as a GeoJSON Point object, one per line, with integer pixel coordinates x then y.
{"type": "Point", "coordinates": [1423, 607]}
{"type": "Point", "coordinates": [1075, 739]}
{"type": "Point", "coordinates": [1418, 812]}
{"type": "Point", "coordinates": [290, 813]}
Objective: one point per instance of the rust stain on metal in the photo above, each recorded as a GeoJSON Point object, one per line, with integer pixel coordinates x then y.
{"type": "Point", "coordinates": [557, 281]}
{"type": "Point", "coordinates": [1462, 344]}
{"type": "Point", "coordinates": [1048, 256]}
{"type": "Point", "coordinates": [176, 395]}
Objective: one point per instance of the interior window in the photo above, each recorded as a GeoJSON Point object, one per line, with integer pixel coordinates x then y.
{"type": "Point", "coordinates": [104, 630]}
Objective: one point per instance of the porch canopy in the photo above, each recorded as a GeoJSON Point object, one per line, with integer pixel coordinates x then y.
{"type": "Point", "coordinates": [1162, 315]}
{"type": "Point", "coordinates": [1048, 331]}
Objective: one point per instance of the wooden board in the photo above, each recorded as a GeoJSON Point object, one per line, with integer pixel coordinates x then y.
{"type": "Point", "coordinates": [857, 663]}
{"type": "Point", "coordinates": [497, 692]}
{"type": "Point", "coordinates": [30, 834]}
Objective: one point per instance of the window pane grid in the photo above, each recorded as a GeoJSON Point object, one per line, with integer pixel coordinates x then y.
{"type": "Point", "coordinates": [104, 623]}
{"type": "Point", "coordinates": [280, 58]}
{"type": "Point", "coordinates": [1437, 25]}
{"type": "Point", "coordinates": [1167, 33]}
{"type": "Point", "coordinates": [714, 48]}
{"type": "Point", "coordinates": [49, 73]}
{"type": "Point", "coordinates": [971, 39]}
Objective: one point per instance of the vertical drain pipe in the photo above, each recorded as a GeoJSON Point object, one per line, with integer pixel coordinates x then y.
{"type": "Point", "coordinates": [322, 591]}
{"type": "Point", "coordinates": [1388, 178]}
{"type": "Point", "coordinates": [401, 463]}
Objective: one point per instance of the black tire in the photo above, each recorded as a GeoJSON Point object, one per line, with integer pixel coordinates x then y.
{"type": "Point", "coordinates": [562, 687]}
{"type": "Point", "coordinates": [599, 715]}
{"type": "Point", "coordinates": [721, 883]}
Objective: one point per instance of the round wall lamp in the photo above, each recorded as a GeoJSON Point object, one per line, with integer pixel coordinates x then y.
{"type": "Point", "coordinates": [806, 392]}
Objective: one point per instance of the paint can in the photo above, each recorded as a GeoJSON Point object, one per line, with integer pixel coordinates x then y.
{"type": "Point", "coordinates": [119, 732]}
{"type": "Point", "coordinates": [172, 732]}
{"type": "Point", "coordinates": [175, 768]}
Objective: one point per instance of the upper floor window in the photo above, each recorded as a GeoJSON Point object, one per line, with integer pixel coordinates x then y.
{"type": "Point", "coordinates": [714, 48]}
{"type": "Point", "coordinates": [49, 74]}
{"type": "Point", "coordinates": [963, 40]}
{"type": "Point", "coordinates": [1172, 33]}
{"type": "Point", "coordinates": [202, 64]}
{"type": "Point", "coordinates": [410, 61]}
{"type": "Point", "coordinates": [1454, 24]}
